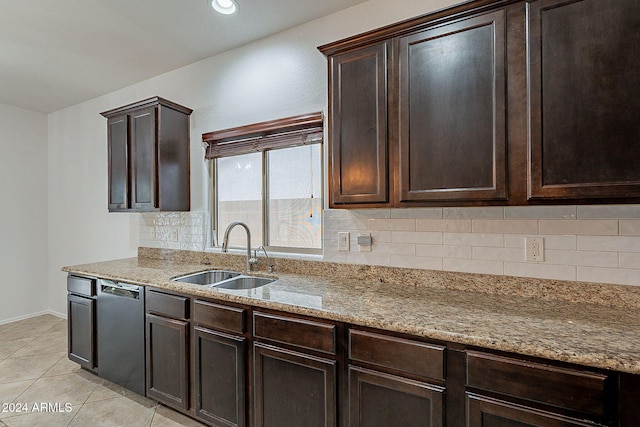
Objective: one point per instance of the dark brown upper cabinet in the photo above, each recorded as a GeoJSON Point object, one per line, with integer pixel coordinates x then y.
{"type": "Point", "coordinates": [359, 162]}
{"type": "Point", "coordinates": [584, 57]}
{"type": "Point", "coordinates": [148, 156]}
{"type": "Point", "coordinates": [489, 102]}
{"type": "Point", "coordinates": [452, 111]}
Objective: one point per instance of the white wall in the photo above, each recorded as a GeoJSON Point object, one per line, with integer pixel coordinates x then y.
{"type": "Point", "coordinates": [275, 77]}
{"type": "Point", "coordinates": [23, 217]}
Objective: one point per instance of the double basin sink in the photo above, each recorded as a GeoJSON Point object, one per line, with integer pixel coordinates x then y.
{"type": "Point", "coordinates": [224, 279]}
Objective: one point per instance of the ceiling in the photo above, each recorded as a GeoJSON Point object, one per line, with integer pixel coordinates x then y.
{"type": "Point", "coordinates": [54, 54]}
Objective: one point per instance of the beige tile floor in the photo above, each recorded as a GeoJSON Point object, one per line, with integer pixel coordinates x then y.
{"type": "Point", "coordinates": [34, 370]}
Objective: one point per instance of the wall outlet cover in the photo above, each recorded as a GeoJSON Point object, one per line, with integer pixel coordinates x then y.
{"type": "Point", "coordinates": [534, 249]}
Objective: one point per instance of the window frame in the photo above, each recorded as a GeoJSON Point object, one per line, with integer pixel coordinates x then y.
{"type": "Point", "coordinates": [263, 137]}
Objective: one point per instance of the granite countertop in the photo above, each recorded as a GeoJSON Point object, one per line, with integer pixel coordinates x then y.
{"type": "Point", "coordinates": [566, 329]}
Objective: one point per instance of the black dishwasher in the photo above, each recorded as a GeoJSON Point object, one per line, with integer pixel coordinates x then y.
{"type": "Point", "coordinates": [121, 348]}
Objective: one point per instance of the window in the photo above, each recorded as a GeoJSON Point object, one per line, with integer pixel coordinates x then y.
{"type": "Point", "coordinates": [269, 176]}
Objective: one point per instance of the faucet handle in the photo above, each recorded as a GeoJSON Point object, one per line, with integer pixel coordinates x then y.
{"type": "Point", "coordinates": [271, 266]}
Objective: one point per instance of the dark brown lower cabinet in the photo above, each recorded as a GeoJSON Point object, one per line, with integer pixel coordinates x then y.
{"type": "Point", "coordinates": [377, 399]}
{"type": "Point", "coordinates": [293, 389]}
{"type": "Point", "coordinates": [503, 390]}
{"type": "Point", "coordinates": [168, 361]}
{"type": "Point", "coordinates": [487, 412]}
{"type": "Point", "coordinates": [81, 313]}
{"type": "Point", "coordinates": [219, 377]}
{"type": "Point", "coordinates": [82, 326]}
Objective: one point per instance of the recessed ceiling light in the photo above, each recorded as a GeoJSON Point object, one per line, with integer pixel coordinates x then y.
{"type": "Point", "coordinates": [226, 7]}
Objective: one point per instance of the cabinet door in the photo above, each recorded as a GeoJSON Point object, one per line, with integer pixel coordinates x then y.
{"type": "Point", "coordinates": [293, 389]}
{"type": "Point", "coordinates": [487, 412]}
{"type": "Point", "coordinates": [452, 128]}
{"type": "Point", "coordinates": [82, 327]}
{"type": "Point", "coordinates": [358, 150]}
{"type": "Point", "coordinates": [381, 400]}
{"type": "Point", "coordinates": [219, 377]}
{"type": "Point", "coordinates": [118, 137]}
{"type": "Point", "coordinates": [143, 159]}
{"type": "Point", "coordinates": [168, 361]}
{"type": "Point", "coordinates": [584, 57]}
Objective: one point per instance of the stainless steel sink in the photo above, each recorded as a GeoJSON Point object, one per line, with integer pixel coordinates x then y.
{"type": "Point", "coordinates": [244, 282]}
{"type": "Point", "coordinates": [207, 277]}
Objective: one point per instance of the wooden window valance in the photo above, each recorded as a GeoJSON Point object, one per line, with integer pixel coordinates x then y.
{"type": "Point", "coordinates": [288, 132]}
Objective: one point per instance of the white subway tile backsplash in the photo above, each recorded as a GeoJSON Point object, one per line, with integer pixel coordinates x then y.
{"type": "Point", "coordinates": [392, 224]}
{"type": "Point", "coordinates": [609, 211]}
{"type": "Point", "coordinates": [424, 263]}
{"type": "Point", "coordinates": [329, 245]}
{"type": "Point", "coordinates": [630, 260]}
{"type": "Point", "coordinates": [618, 276]}
{"type": "Point", "coordinates": [335, 213]}
{"type": "Point", "coordinates": [443, 251]}
{"type": "Point", "coordinates": [511, 226]}
{"type": "Point", "coordinates": [370, 213]}
{"type": "Point", "coordinates": [538, 212]}
{"type": "Point", "coordinates": [334, 256]}
{"type": "Point", "coordinates": [474, 239]}
{"type": "Point", "coordinates": [473, 266]}
{"type": "Point", "coordinates": [416, 237]}
{"type": "Point", "coordinates": [346, 224]}
{"type": "Point", "coordinates": [540, 270]}
{"type": "Point", "coordinates": [614, 243]}
{"type": "Point", "coordinates": [379, 236]}
{"type": "Point", "coordinates": [498, 254]}
{"type": "Point", "coordinates": [630, 227]}
{"type": "Point", "coordinates": [369, 258]}
{"type": "Point", "coordinates": [417, 213]}
{"type": "Point", "coordinates": [487, 213]}
{"type": "Point", "coordinates": [393, 248]}
{"type": "Point", "coordinates": [600, 227]}
{"type": "Point", "coordinates": [601, 245]}
{"type": "Point", "coordinates": [581, 258]}
{"type": "Point", "coordinates": [450, 225]}
{"type": "Point", "coordinates": [550, 242]}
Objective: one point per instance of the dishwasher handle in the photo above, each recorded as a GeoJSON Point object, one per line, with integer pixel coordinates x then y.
{"type": "Point", "coordinates": [118, 289]}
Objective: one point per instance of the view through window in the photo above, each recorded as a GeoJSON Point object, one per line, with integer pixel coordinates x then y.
{"type": "Point", "coordinates": [276, 190]}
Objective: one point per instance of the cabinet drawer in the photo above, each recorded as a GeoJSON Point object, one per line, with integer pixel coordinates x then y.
{"type": "Point", "coordinates": [302, 333]}
{"type": "Point", "coordinates": [412, 357]}
{"type": "Point", "coordinates": [581, 391]}
{"type": "Point", "coordinates": [81, 285]}
{"type": "Point", "coordinates": [168, 305]}
{"type": "Point", "coordinates": [217, 316]}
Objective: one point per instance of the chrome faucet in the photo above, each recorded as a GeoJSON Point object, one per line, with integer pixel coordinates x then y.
{"type": "Point", "coordinates": [225, 242]}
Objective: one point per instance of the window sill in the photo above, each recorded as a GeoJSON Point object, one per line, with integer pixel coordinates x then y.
{"type": "Point", "coordinates": [276, 255]}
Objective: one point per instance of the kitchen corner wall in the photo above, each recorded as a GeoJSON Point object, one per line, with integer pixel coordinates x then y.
{"type": "Point", "coordinates": [23, 217]}
{"type": "Point", "coordinates": [174, 230]}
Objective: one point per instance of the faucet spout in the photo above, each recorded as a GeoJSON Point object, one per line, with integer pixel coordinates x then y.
{"type": "Point", "coordinates": [225, 242]}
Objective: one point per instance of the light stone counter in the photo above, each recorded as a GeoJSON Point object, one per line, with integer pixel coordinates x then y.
{"type": "Point", "coordinates": [588, 324]}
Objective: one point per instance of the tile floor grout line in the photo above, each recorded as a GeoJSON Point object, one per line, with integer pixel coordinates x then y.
{"type": "Point", "coordinates": [85, 411]}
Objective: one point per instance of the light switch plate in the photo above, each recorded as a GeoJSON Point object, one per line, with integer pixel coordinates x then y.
{"type": "Point", "coordinates": [343, 241]}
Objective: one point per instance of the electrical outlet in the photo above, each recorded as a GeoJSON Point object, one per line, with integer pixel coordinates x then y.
{"type": "Point", "coordinates": [173, 235]}
{"type": "Point", "coordinates": [343, 241]}
{"type": "Point", "coordinates": [534, 249]}
{"type": "Point", "coordinates": [153, 233]}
